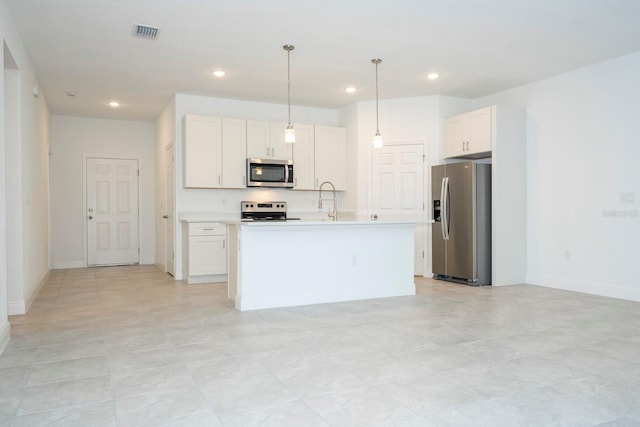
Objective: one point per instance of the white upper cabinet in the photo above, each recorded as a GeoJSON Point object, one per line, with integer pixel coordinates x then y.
{"type": "Point", "coordinates": [303, 158]}
{"type": "Point", "coordinates": [468, 135]}
{"type": "Point", "coordinates": [202, 148]}
{"type": "Point", "coordinates": [265, 140]}
{"type": "Point", "coordinates": [234, 153]}
{"type": "Point", "coordinates": [280, 150]}
{"type": "Point", "coordinates": [330, 154]}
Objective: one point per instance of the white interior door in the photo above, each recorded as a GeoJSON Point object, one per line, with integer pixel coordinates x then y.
{"type": "Point", "coordinates": [170, 215]}
{"type": "Point", "coordinates": [398, 190]}
{"type": "Point", "coordinates": [112, 211]}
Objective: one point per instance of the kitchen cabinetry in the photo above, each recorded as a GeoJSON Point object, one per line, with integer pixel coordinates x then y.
{"type": "Point", "coordinates": [202, 145]}
{"type": "Point", "coordinates": [330, 152]}
{"type": "Point", "coordinates": [214, 152]}
{"type": "Point", "coordinates": [206, 252]}
{"type": "Point", "coordinates": [234, 153]}
{"type": "Point", "coordinates": [304, 158]}
{"type": "Point", "coordinates": [468, 135]}
{"type": "Point", "coordinates": [319, 154]}
{"type": "Point", "coordinates": [265, 140]}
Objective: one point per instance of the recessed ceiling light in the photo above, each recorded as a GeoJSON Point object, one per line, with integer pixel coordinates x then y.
{"type": "Point", "coordinates": [219, 73]}
{"type": "Point", "coordinates": [114, 104]}
{"type": "Point", "coordinates": [350, 89]}
{"type": "Point", "coordinates": [433, 76]}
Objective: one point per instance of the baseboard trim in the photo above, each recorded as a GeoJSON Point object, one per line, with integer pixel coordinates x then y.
{"type": "Point", "coordinates": [5, 335]}
{"type": "Point", "coordinates": [16, 308]}
{"type": "Point", "coordinates": [34, 293]}
{"type": "Point", "coordinates": [68, 264]}
{"type": "Point", "coordinates": [20, 307]}
{"type": "Point", "coordinates": [602, 289]}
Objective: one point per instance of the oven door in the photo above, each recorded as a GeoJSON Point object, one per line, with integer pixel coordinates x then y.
{"type": "Point", "coordinates": [269, 173]}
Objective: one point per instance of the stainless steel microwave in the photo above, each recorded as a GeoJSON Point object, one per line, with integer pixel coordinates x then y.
{"type": "Point", "coordinates": [269, 173]}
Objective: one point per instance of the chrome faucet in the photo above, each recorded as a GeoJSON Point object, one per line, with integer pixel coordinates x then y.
{"type": "Point", "coordinates": [334, 213]}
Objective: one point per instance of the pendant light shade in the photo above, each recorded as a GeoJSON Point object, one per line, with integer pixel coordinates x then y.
{"type": "Point", "coordinates": [289, 133]}
{"type": "Point", "coordinates": [377, 138]}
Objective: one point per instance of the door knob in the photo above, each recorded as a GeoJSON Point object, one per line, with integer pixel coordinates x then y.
{"type": "Point", "coordinates": [165, 216]}
{"type": "Point", "coordinates": [90, 217]}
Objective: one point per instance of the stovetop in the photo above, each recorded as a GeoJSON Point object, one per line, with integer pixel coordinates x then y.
{"type": "Point", "coordinates": [264, 211]}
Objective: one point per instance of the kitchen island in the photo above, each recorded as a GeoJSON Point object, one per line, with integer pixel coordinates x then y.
{"type": "Point", "coordinates": [291, 263]}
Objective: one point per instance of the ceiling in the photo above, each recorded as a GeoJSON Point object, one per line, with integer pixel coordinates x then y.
{"type": "Point", "coordinates": [478, 47]}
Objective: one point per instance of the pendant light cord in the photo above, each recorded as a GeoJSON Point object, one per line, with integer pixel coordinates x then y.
{"type": "Point", "coordinates": [289, 48]}
{"type": "Point", "coordinates": [377, 121]}
{"type": "Point", "coordinates": [289, 83]}
{"type": "Point", "coordinates": [376, 62]}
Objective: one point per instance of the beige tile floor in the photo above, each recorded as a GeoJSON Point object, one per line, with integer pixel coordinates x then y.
{"type": "Point", "coordinates": [128, 346]}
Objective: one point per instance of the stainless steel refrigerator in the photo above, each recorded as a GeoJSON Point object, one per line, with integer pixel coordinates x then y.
{"type": "Point", "coordinates": [461, 234]}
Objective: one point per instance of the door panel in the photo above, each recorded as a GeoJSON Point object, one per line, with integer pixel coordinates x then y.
{"type": "Point", "coordinates": [460, 244]}
{"type": "Point", "coordinates": [112, 211]}
{"type": "Point", "coordinates": [398, 190]}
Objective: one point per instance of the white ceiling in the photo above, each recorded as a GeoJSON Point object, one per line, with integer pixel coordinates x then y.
{"type": "Point", "coordinates": [479, 47]}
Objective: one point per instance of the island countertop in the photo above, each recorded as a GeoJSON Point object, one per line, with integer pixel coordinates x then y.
{"type": "Point", "coordinates": [233, 219]}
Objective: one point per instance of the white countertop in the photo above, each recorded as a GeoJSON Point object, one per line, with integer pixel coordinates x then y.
{"type": "Point", "coordinates": [233, 219]}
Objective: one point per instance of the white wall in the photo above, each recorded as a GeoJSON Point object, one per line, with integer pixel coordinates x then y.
{"type": "Point", "coordinates": [583, 146]}
{"type": "Point", "coordinates": [71, 139]}
{"type": "Point", "coordinates": [24, 205]}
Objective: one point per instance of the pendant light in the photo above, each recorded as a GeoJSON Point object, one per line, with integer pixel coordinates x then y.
{"type": "Point", "coordinates": [289, 133]}
{"type": "Point", "coordinates": [377, 138]}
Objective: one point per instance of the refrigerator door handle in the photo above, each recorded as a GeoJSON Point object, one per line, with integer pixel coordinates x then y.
{"type": "Point", "coordinates": [444, 196]}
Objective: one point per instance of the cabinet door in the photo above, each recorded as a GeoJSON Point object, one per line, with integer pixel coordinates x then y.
{"type": "Point", "coordinates": [280, 150]}
{"type": "Point", "coordinates": [234, 153]}
{"type": "Point", "coordinates": [258, 136]}
{"type": "Point", "coordinates": [454, 136]}
{"type": "Point", "coordinates": [479, 131]}
{"type": "Point", "coordinates": [202, 152]}
{"type": "Point", "coordinates": [330, 156]}
{"type": "Point", "coordinates": [303, 158]}
{"type": "Point", "coordinates": [207, 255]}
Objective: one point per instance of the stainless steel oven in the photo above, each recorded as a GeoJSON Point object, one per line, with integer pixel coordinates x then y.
{"type": "Point", "coordinates": [269, 173]}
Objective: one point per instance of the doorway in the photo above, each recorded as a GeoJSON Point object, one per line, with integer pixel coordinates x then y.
{"type": "Point", "coordinates": [398, 190]}
{"type": "Point", "coordinates": [112, 211]}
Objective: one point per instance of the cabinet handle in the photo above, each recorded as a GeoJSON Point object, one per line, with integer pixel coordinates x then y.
{"type": "Point", "coordinates": [224, 245]}
{"type": "Point", "coordinates": [207, 229]}
{"type": "Point", "coordinates": [267, 151]}
{"type": "Point", "coordinates": [273, 152]}
{"type": "Point", "coordinates": [462, 145]}
{"type": "Point", "coordinates": [218, 179]}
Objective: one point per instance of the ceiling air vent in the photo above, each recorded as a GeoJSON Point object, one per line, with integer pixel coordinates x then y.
{"type": "Point", "coordinates": [145, 32]}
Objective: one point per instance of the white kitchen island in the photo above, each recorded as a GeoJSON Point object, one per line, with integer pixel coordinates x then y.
{"type": "Point", "coordinates": [282, 264]}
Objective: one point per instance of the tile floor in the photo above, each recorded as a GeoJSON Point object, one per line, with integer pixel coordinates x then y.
{"type": "Point", "coordinates": [128, 346]}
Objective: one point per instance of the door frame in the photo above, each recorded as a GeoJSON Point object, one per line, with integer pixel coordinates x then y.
{"type": "Point", "coordinates": [169, 149]}
{"type": "Point", "coordinates": [85, 232]}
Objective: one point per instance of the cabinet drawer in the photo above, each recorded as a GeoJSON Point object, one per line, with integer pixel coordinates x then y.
{"type": "Point", "coordinates": [207, 229]}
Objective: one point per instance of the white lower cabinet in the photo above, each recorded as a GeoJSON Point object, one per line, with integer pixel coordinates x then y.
{"type": "Point", "coordinates": [206, 252]}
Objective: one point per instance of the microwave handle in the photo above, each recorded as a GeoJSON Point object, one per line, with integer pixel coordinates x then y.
{"type": "Point", "coordinates": [286, 174]}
